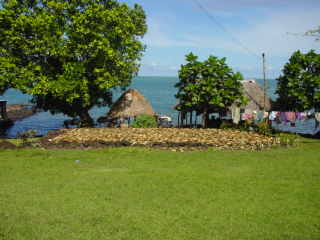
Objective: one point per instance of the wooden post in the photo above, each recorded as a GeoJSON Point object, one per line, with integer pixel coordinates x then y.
{"type": "Point", "coordinates": [3, 109]}
{"type": "Point", "coordinates": [265, 84]}
{"type": "Point", "coordinates": [196, 120]}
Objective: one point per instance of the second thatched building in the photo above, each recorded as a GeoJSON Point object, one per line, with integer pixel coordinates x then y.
{"type": "Point", "coordinates": [258, 101]}
{"type": "Point", "coordinates": [130, 105]}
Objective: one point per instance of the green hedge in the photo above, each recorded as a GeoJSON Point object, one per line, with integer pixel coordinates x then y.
{"type": "Point", "coordinates": [144, 121]}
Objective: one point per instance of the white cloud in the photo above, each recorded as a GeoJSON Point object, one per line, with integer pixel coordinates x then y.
{"type": "Point", "coordinates": [268, 33]}
{"type": "Point", "coordinates": [272, 35]}
{"type": "Point", "coordinates": [159, 34]}
{"type": "Point", "coordinates": [157, 69]}
{"type": "Point", "coordinates": [231, 5]}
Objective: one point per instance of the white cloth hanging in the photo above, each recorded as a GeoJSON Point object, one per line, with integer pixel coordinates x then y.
{"type": "Point", "coordinates": [235, 114]}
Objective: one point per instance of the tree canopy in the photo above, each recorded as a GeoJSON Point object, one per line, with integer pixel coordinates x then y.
{"type": "Point", "coordinates": [299, 85]}
{"type": "Point", "coordinates": [208, 86]}
{"type": "Point", "coordinates": [70, 54]}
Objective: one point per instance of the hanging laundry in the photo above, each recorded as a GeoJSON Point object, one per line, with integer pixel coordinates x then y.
{"type": "Point", "coordinates": [259, 116]}
{"type": "Point", "coordinates": [282, 117]}
{"type": "Point", "coordinates": [301, 116]}
{"type": "Point", "coordinates": [290, 117]}
{"type": "Point", "coordinates": [254, 115]}
{"type": "Point", "coordinates": [317, 117]}
{"type": "Point", "coordinates": [310, 113]}
{"type": "Point", "coordinates": [247, 115]}
{"type": "Point", "coordinates": [278, 121]}
{"type": "Point", "coordinates": [235, 114]}
{"type": "Point", "coordinates": [273, 116]}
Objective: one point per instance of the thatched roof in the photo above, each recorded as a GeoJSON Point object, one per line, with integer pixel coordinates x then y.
{"type": "Point", "coordinates": [130, 104]}
{"type": "Point", "coordinates": [255, 94]}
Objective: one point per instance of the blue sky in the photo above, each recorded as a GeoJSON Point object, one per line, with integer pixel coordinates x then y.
{"type": "Point", "coordinates": [250, 27]}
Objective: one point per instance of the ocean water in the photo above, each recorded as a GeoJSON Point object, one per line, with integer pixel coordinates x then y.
{"type": "Point", "coordinates": [159, 91]}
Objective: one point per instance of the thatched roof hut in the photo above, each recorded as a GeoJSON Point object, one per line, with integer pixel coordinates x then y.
{"type": "Point", "coordinates": [130, 104]}
{"type": "Point", "coordinates": [255, 94]}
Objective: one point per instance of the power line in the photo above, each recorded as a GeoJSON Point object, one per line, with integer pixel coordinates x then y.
{"type": "Point", "coordinates": [235, 40]}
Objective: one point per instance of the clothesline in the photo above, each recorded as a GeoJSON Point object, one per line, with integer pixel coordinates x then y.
{"type": "Point", "coordinates": [275, 116]}
{"type": "Point", "coordinates": [293, 117]}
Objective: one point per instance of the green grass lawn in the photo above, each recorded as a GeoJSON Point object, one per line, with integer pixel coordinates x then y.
{"type": "Point", "coordinates": [135, 193]}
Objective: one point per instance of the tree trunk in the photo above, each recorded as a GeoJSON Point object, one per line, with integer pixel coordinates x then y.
{"type": "Point", "coordinates": [85, 119]}
{"type": "Point", "coordinates": [205, 117]}
{"type": "Point", "coordinates": [183, 117]}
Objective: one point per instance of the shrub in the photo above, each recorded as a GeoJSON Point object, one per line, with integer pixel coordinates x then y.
{"type": "Point", "coordinates": [226, 125]}
{"type": "Point", "coordinates": [144, 121]}
{"type": "Point", "coordinates": [264, 128]}
{"type": "Point", "coordinates": [288, 139]}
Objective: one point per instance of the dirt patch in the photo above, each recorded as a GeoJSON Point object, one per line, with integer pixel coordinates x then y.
{"type": "Point", "coordinates": [7, 145]}
{"type": "Point", "coordinates": [173, 139]}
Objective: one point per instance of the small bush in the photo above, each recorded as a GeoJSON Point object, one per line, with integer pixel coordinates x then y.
{"type": "Point", "coordinates": [144, 121]}
{"type": "Point", "coordinates": [288, 139]}
{"type": "Point", "coordinates": [227, 125]}
{"type": "Point", "coordinates": [264, 128]}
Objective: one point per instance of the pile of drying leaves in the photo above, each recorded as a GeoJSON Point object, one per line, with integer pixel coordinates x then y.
{"type": "Point", "coordinates": [174, 139]}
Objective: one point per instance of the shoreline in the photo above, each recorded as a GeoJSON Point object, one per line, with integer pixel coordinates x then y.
{"type": "Point", "coordinates": [16, 112]}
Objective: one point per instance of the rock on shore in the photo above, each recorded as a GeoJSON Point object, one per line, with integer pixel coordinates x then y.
{"type": "Point", "coordinates": [17, 112]}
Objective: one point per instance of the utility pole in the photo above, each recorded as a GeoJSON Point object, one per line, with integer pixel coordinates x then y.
{"type": "Point", "coordinates": [265, 84]}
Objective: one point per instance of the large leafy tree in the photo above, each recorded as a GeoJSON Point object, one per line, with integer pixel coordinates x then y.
{"type": "Point", "coordinates": [69, 54]}
{"type": "Point", "coordinates": [189, 75]}
{"type": "Point", "coordinates": [299, 85]}
{"type": "Point", "coordinates": [208, 86]}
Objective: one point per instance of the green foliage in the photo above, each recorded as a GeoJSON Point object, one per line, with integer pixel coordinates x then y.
{"type": "Point", "coordinates": [189, 76]}
{"type": "Point", "coordinates": [208, 86]}
{"type": "Point", "coordinates": [264, 128]}
{"type": "Point", "coordinates": [227, 125]}
{"type": "Point", "coordinates": [288, 139]}
{"type": "Point", "coordinates": [299, 85]}
{"type": "Point", "coordinates": [144, 121]}
{"type": "Point", "coordinates": [70, 54]}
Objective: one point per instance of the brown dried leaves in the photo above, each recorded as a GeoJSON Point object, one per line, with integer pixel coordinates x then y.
{"type": "Point", "coordinates": [174, 139]}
